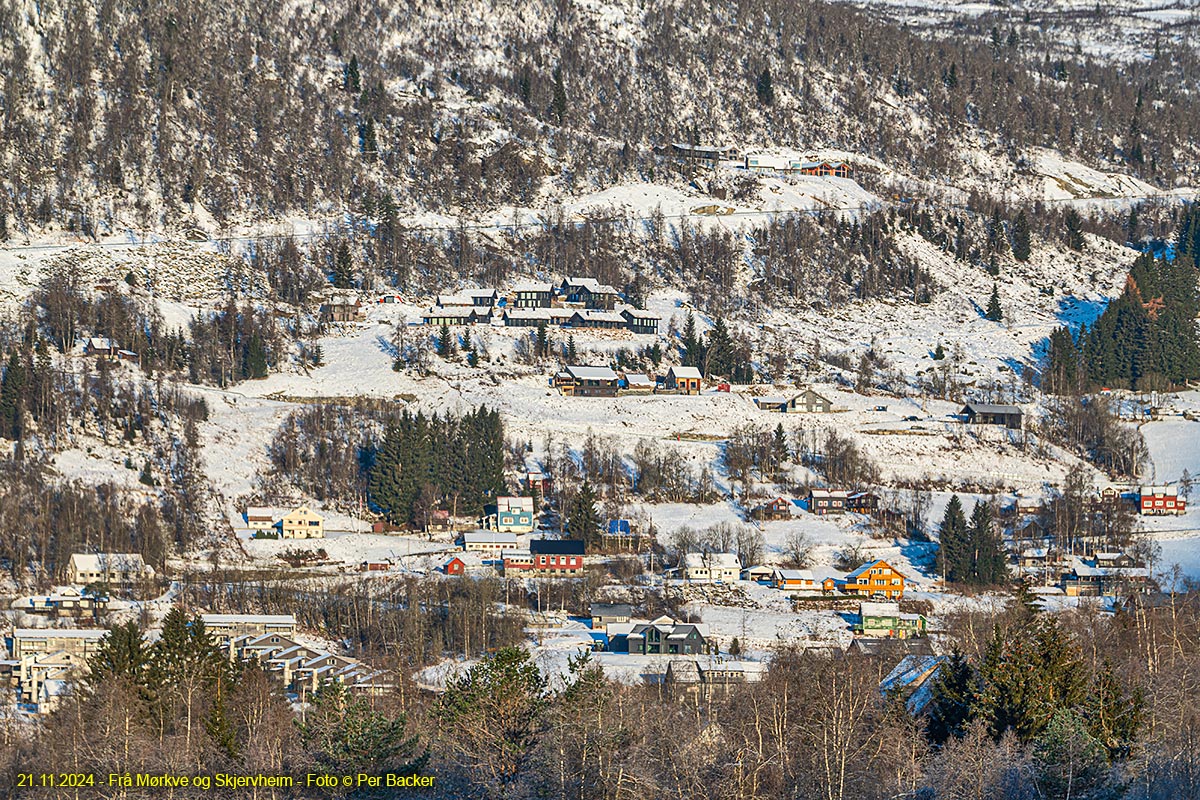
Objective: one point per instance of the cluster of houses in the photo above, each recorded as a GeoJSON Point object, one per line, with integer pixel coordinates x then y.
{"type": "Point", "coordinates": [298, 523]}
{"type": "Point", "coordinates": [1092, 567]}
{"type": "Point", "coordinates": [616, 631]}
{"type": "Point", "coordinates": [65, 602]}
{"type": "Point", "coordinates": [92, 576]}
{"type": "Point", "coordinates": [500, 549]}
{"type": "Point", "coordinates": [873, 579]}
{"type": "Point", "coordinates": [270, 641]}
{"type": "Point", "coordinates": [45, 663]}
{"type": "Point", "coordinates": [820, 502]}
{"type": "Point", "coordinates": [760, 162]}
{"type": "Point", "coordinates": [584, 381]}
{"type": "Point", "coordinates": [573, 303]}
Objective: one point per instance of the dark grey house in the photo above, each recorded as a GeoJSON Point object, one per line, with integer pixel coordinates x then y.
{"type": "Point", "coordinates": [990, 414]}
{"type": "Point", "coordinates": [664, 636]}
{"type": "Point", "coordinates": [810, 402]}
{"type": "Point", "coordinates": [533, 295]}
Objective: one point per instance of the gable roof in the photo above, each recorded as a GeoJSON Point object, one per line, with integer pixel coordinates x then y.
{"type": "Point", "coordinates": [990, 408]}
{"type": "Point", "coordinates": [104, 562]}
{"type": "Point", "coordinates": [711, 561]}
{"type": "Point", "coordinates": [685, 372]}
{"type": "Point", "coordinates": [591, 373]}
{"type": "Point", "coordinates": [611, 609]}
{"type": "Point", "coordinates": [853, 576]}
{"type": "Point", "coordinates": [533, 287]}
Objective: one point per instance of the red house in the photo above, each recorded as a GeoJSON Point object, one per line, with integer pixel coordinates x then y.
{"type": "Point", "coordinates": [538, 480]}
{"type": "Point", "coordinates": [455, 566]}
{"type": "Point", "coordinates": [1157, 500]}
{"type": "Point", "coordinates": [557, 556]}
{"type": "Point", "coordinates": [517, 561]}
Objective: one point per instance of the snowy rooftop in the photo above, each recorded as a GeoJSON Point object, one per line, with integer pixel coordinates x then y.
{"type": "Point", "coordinates": [591, 373]}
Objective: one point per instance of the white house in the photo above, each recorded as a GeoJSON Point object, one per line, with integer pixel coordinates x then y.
{"type": "Point", "coordinates": [260, 518]}
{"type": "Point", "coordinates": [119, 568]}
{"type": "Point", "coordinates": [705, 567]}
{"type": "Point", "coordinates": [491, 542]}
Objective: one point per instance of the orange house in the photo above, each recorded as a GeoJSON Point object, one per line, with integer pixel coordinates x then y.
{"type": "Point", "coordinates": [877, 578]}
{"type": "Point", "coordinates": [685, 380]}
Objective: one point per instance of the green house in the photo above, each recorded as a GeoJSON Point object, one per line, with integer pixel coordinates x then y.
{"type": "Point", "coordinates": [884, 621]}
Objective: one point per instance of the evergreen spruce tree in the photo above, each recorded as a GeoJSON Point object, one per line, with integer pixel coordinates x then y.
{"type": "Point", "coordinates": [351, 80]}
{"type": "Point", "coordinates": [367, 142]}
{"type": "Point", "coordinates": [255, 364]}
{"type": "Point", "coordinates": [346, 735]}
{"type": "Point", "coordinates": [939, 352]}
{"type": "Point", "coordinates": [1063, 370]}
{"type": "Point", "coordinates": [12, 397]}
{"type": "Point", "coordinates": [219, 726]}
{"type": "Point", "coordinates": [997, 242]}
{"type": "Point", "coordinates": [693, 349]}
{"type": "Point", "coordinates": [953, 542]}
{"type": "Point", "coordinates": [764, 88]}
{"type": "Point", "coordinates": [541, 343]}
{"type": "Point", "coordinates": [994, 312]}
{"type": "Point", "coordinates": [572, 353]}
{"type": "Point", "coordinates": [505, 694]}
{"type": "Point", "coordinates": [1074, 224]}
{"type": "Point", "coordinates": [779, 445]}
{"type": "Point", "coordinates": [986, 550]}
{"type": "Point", "coordinates": [122, 654]}
{"type": "Point", "coordinates": [583, 522]}
{"type": "Point", "coordinates": [950, 709]}
{"type": "Point", "coordinates": [559, 100]}
{"type": "Point", "coordinates": [719, 357]}
{"type": "Point", "coordinates": [1021, 241]}
{"type": "Point", "coordinates": [343, 267]}
{"type": "Point", "coordinates": [1133, 226]}
{"type": "Point", "coordinates": [446, 346]}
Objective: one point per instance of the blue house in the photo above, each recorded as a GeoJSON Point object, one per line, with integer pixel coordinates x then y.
{"type": "Point", "coordinates": [511, 515]}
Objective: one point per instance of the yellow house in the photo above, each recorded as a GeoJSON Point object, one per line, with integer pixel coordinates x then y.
{"type": "Point", "coordinates": [302, 523]}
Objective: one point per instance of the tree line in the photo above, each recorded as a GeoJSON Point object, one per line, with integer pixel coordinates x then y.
{"type": "Point", "coordinates": [1145, 338]}
{"type": "Point", "coordinates": [426, 463]}
{"type": "Point", "coordinates": [1028, 705]}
